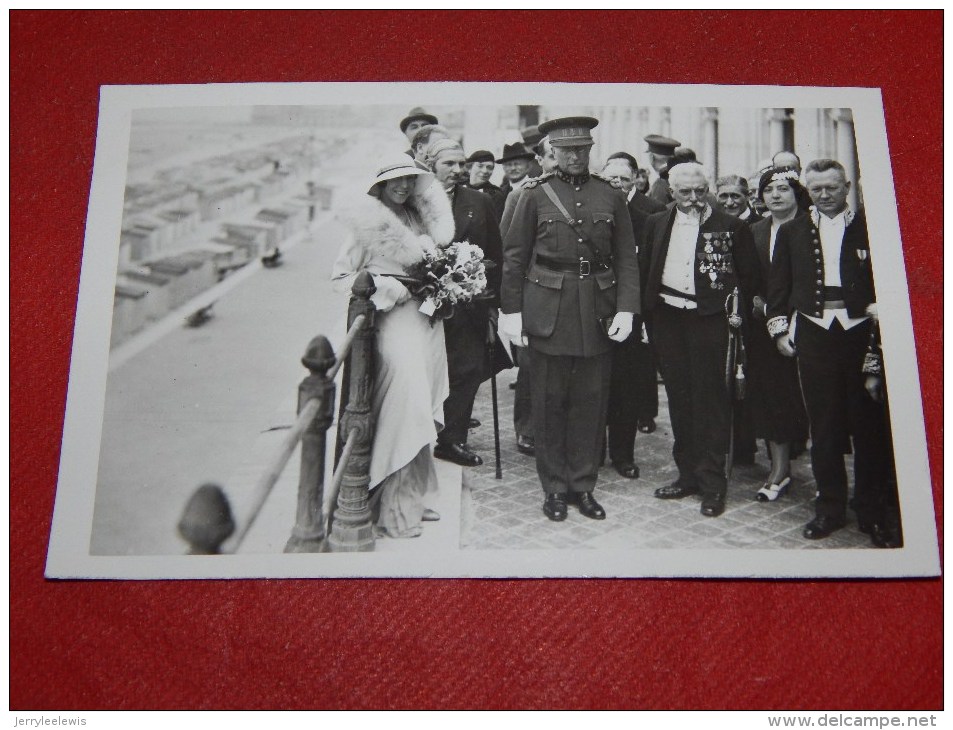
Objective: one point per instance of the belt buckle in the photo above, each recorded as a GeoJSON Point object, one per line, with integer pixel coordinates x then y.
{"type": "Point", "coordinates": [585, 267]}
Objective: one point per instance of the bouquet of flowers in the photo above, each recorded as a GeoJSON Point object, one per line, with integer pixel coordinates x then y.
{"type": "Point", "coordinates": [448, 277]}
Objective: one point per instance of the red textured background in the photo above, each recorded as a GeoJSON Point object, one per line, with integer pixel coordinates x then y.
{"type": "Point", "coordinates": [448, 643]}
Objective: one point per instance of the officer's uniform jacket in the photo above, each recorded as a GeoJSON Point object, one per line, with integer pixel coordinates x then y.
{"type": "Point", "coordinates": [725, 257]}
{"type": "Point", "coordinates": [796, 281]}
{"type": "Point", "coordinates": [562, 309]}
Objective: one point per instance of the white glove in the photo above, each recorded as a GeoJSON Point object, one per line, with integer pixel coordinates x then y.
{"type": "Point", "coordinates": [511, 328]}
{"type": "Point", "coordinates": [621, 326]}
{"type": "Point", "coordinates": [390, 293]}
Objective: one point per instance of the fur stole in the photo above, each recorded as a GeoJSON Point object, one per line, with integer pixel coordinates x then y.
{"type": "Point", "coordinates": [382, 233]}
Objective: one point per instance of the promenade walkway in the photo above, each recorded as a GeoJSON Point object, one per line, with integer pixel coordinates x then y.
{"type": "Point", "coordinates": [507, 513]}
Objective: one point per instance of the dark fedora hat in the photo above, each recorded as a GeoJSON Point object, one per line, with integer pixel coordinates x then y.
{"type": "Point", "coordinates": [515, 151]}
{"type": "Point", "coordinates": [531, 136]}
{"type": "Point", "coordinates": [414, 114]}
{"type": "Point", "coordinates": [481, 156]}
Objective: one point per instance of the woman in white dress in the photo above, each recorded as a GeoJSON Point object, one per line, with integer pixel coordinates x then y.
{"type": "Point", "coordinates": [402, 216]}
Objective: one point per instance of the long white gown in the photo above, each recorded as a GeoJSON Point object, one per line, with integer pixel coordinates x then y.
{"type": "Point", "coordinates": [411, 366]}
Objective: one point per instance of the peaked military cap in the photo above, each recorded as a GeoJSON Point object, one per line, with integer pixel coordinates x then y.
{"type": "Point", "coordinates": [415, 114]}
{"type": "Point", "coordinates": [569, 131]}
{"type": "Point", "coordinates": [660, 145]}
{"type": "Point", "coordinates": [481, 156]}
{"type": "Point", "coordinates": [515, 151]}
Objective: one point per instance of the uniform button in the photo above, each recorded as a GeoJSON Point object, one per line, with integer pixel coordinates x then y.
{"type": "Point", "coordinates": [580, 240]}
{"type": "Point", "coordinates": [579, 221]}
{"type": "Point", "coordinates": [580, 276]}
{"type": "Point", "coordinates": [578, 205]}
{"type": "Point", "coordinates": [578, 189]}
{"type": "Point", "coordinates": [819, 282]}
{"type": "Point", "coordinates": [817, 251]}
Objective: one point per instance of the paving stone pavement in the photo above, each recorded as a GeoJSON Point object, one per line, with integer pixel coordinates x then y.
{"type": "Point", "coordinates": [507, 513]}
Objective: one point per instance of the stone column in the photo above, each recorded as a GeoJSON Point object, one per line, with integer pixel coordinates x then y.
{"type": "Point", "coordinates": [709, 141]}
{"type": "Point", "coordinates": [777, 118]}
{"type": "Point", "coordinates": [846, 150]}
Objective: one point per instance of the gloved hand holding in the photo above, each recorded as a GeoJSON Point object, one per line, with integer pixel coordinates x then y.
{"type": "Point", "coordinates": [511, 328]}
{"type": "Point", "coordinates": [621, 326]}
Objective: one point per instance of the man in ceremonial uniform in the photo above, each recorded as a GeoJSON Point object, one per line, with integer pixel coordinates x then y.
{"type": "Point", "coordinates": [821, 305]}
{"type": "Point", "coordinates": [467, 331]}
{"type": "Point", "coordinates": [570, 287]}
{"type": "Point", "coordinates": [696, 257]}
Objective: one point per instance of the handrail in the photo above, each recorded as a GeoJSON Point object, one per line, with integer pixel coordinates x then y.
{"type": "Point", "coordinates": [347, 344]}
{"type": "Point", "coordinates": [207, 522]}
{"type": "Point", "coordinates": [272, 473]}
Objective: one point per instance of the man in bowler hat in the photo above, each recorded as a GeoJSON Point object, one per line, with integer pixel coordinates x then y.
{"type": "Point", "coordinates": [415, 119]}
{"type": "Point", "coordinates": [516, 161]}
{"type": "Point", "coordinates": [570, 288]}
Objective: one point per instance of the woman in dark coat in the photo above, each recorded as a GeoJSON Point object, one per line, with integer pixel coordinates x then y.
{"type": "Point", "coordinates": [775, 392]}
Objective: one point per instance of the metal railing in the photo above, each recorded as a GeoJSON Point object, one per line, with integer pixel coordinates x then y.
{"type": "Point", "coordinates": [207, 522]}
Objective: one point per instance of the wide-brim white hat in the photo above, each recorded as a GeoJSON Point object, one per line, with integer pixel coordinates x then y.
{"type": "Point", "coordinates": [401, 166]}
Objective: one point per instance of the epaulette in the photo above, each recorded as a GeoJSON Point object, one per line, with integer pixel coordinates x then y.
{"type": "Point", "coordinates": [614, 183]}
{"type": "Point", "coordinates": [534, 181]}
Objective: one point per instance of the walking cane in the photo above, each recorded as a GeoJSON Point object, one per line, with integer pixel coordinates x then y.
{"type": "Point", "coordinates": [496, 428]}
{"type": "Point", "coordinates": [491, 346]}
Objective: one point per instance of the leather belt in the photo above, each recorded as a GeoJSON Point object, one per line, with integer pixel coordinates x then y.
{"type": "Point", "coordinates": [582, 267]}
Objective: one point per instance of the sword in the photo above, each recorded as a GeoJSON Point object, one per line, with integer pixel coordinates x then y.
{"type": "Point", "coordinates": [734, 372]}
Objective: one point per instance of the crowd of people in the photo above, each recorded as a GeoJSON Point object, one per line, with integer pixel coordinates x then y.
{"type": "Point", "coordinates": [755, 303]}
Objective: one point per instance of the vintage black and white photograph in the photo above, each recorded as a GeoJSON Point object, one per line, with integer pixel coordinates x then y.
{"type": "Point", "coordinates": [492, 330]}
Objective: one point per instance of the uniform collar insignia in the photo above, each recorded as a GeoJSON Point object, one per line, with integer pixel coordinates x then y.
{"type": "Point", "coordinates": [572, 179]}
{"type": "Point", "coordinates": [816, 216]}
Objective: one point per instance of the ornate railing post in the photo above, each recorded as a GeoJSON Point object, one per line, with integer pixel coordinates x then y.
{"type": "Point", "coordinates": [308, 534]}
{"type": "Point", "coordinates": [351, 528]}
{"type": "Point", "coordinates": [207, 520]}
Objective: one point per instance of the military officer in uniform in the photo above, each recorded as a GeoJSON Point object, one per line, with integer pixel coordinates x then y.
{"type": "Point", "coordinates": [697, 256]}
{"type": "Point", "coordinates": [661, 151]}
{"type": "Point", "coordinates": [570, 287]}
{"type": "Point", "coordinates": [821, 308]}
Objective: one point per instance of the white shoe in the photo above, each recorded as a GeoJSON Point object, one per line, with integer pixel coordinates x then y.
{"type": "Point", "coordinates": [772, 492]}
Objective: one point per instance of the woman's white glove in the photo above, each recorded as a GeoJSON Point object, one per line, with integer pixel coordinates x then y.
{"type": "Point", "coordinates": [621, 326]}
{"type": "Point", "coordinates": [511, 328]}
{"type": "Point", "coordinates": [389, 294]}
